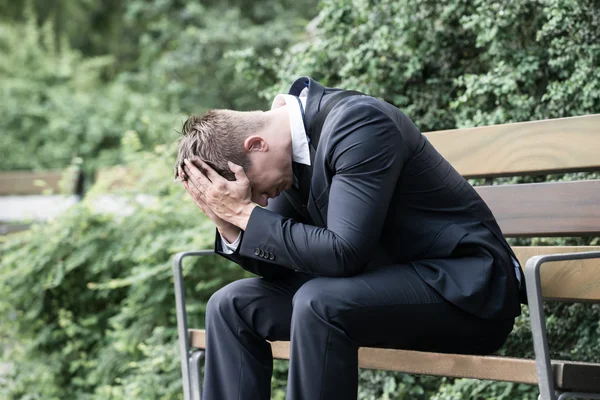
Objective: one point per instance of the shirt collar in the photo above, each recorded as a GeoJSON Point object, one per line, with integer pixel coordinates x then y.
{"type": "Point", "coordinates": [296, 107]}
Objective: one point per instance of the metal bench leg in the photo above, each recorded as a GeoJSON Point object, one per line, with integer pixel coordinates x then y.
{"type": "Point", "coordinates": [538, 329]}
{"type": "Point", "coordinates": [196, 375]}
{"type": "Point", "coordinates": [182, 328]}
{"type": "Point", "coordinates": [538, 324]}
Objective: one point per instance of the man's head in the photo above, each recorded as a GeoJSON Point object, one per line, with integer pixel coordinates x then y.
{"type": "Point", "coordinates": [260, 142]}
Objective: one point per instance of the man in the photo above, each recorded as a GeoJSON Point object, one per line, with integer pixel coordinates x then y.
{"type": "Point", "coordinates": [368, 237]}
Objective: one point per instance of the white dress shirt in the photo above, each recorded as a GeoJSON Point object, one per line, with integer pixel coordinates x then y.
{"type": "Point", "coordinates": [300, 150]}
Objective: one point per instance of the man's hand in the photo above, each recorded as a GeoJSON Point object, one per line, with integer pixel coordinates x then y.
{"type": "Point", "coordinates": [229, 201]}
{"type": "Point", "coordinates": [227, 230]}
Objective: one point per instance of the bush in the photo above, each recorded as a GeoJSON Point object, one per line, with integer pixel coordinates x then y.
{"type": "Point", "coordinates": [454, 63]}
{"type": "Point", "coordinates": [55, 107]}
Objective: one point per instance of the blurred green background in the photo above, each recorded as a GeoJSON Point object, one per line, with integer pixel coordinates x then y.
{"type": "Point", "coordinates": [86, 299]}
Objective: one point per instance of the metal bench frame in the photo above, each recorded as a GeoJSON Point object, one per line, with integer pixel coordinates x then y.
{"type": "Point", "coordinates": [538, 324]}
{"type": "Point", "coordinates": [190, 360]}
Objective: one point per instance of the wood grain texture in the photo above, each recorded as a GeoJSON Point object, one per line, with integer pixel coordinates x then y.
{"type": "Point", "coordinates": [566, 280]}
{"type": "Point", "coordinates": [527, 148]}
{"type": "Point", "coordinates": [452, 365]}
{"type": "Point", "coordinates": [546, 209]}
{"type": "Point", "coordinates": [524, 253]}
{"type": "Point", "coordinates": [31, 182]}
{"type": "Point", "coordinates": [566, 374]}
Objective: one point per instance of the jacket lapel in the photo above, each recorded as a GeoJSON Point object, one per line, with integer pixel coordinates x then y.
{"type": "Point", "coordinates": [313, 101]}
{"type": "Point", "coordinates": [302, 198]}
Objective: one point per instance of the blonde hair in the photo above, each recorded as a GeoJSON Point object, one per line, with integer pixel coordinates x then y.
{"type": "Point", "coordinates": [218, 137]}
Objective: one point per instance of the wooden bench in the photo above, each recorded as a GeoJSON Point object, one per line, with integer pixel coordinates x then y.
{"type": "Point", "coordinates": [36, 195]}
{"type": "Point", "coordinates": [567, 273]}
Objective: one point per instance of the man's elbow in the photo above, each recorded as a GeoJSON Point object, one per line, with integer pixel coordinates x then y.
{"type": "Point", "coordinates": [350, 260]}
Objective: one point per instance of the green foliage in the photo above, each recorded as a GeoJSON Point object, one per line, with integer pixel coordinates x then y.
{"type": "Point", "coordinates": [468, 389]}
{"type": "Point", "coordinates": [93, 27]}
{"type": "Point", "coordinates": [55, 107]}
{"type": "Point", "coordinates": [454, 63]}
{"type": "Point", "coordinates": [546, 68]}
{"type": "Point", "coordinates": [407, 52]}
{"type": "Point", "coordinates": [185, 50]}
{"type": "Point", "coordinates": [56, 103]}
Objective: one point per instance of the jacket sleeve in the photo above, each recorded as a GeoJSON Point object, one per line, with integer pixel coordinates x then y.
{"type": "Point", "coordinates": [257, 264]}
{"type": "Point", "coordinates": [366, 153]}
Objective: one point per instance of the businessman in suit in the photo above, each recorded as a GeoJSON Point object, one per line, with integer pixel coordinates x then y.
{"type": "Point", "coordinates": [365, 236]}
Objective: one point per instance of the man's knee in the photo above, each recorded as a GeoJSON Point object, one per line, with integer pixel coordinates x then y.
{"type": "Point", "coordinates": [219, 303]}
{"type": "Point", "coordinates": [227, 301]}
{"type": "Point", "coordinates": [313, 300]}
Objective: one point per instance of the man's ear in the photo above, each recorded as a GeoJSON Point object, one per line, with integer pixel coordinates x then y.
{"type": "Point", "coordinates": [255, 143]}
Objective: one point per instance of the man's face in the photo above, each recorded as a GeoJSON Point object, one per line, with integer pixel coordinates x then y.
{"type": "Point", "coordinates": [270, 173]}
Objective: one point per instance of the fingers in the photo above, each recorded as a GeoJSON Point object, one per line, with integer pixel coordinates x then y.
{"type": "Point", "coordinates": [194, 191]}
{"type": "Point", "coordinates": [181, 174]}
{"type": "Point", "coordinates": [216, 190]}
{"type": "Point", "coordinates": [193, 172]}
{"type": "Point", "coordinates": [240, 175]}
{"type": "Point", "coordinates": [199, 186]}
{"type": "Point", "coordinates": [198, 198]}
{"type": "Point", "coordinates": [206, 170]}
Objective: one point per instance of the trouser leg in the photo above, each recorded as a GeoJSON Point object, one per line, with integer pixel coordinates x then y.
{"type": "Point", "coordinates": [387, 307]}
{"type": "Point", "coordinates": [323, 358]}
{"type": "Point", "coordinates": [240, 318]}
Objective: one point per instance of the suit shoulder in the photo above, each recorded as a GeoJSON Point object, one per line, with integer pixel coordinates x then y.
{"type": "Point", "coordinates": [354, 113]}
{"type": "Point", "coordinates": [361, 117]}
{"type": "Point", "coordinates": [356, 107]}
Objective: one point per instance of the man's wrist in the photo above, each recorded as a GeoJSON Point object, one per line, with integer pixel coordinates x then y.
{"type": "Point", "coordinates": [230, 232]}
{"type": "Point", "coordinates": [244, 216]}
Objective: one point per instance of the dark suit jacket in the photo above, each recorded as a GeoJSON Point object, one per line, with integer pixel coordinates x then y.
{"type": "Point", "coordinates": [381, 194]}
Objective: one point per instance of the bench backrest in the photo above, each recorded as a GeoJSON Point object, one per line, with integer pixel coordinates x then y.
{"type": "Point", "coordinates": [36, 195]}
{"type": "Point", "coordinates": [563, 209]}
{"type": "Point", "coordinates": [25, 183]}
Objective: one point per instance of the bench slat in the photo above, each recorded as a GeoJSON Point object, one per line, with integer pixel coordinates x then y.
{"type": "Point", "coordinates": [576, 376]}
{"type": "Point", "coordinates": [568, 375]}
{"type": "Point", "coordinates": [453, 365]}
{"type": "Point", "coordinates": [566, 280]}
{"type": "Point", "coordinates": [546, 209]}
{"type": "Point", "coordinates": [526, 148]}
{"type": "Point", "coordinates": [26, 182]}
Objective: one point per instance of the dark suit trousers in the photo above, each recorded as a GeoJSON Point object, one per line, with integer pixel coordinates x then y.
{"type": "Point", "coordinates": [327, 320]}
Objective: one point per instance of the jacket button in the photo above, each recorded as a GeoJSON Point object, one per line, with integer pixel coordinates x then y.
{"type": "Point", "coordinates": [256, 252]}
{"type": "Point", "coordinates": [271, 256]}
{"type": "Point", "coordinates": [262, 253]}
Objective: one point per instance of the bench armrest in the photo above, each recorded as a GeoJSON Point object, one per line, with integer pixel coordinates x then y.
{"type": "Point", "coordinates": [182, 327]}
{"type": "Point", "coordinates": [536, 310]}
